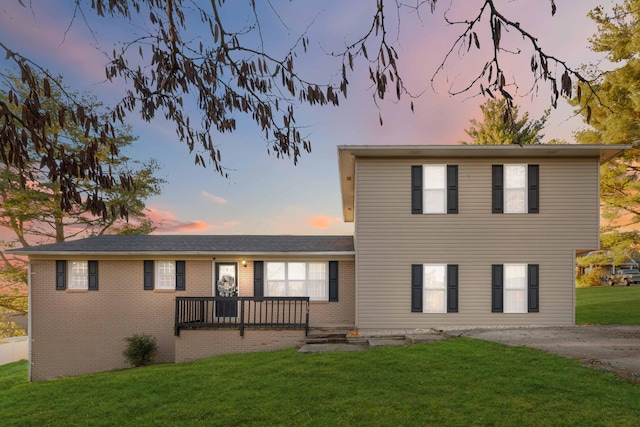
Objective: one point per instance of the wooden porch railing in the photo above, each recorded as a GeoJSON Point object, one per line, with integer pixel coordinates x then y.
{"type": "Point", "coordinates": [241, 313]}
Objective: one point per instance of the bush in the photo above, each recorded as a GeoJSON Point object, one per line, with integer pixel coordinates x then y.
{"type": "Point", "coordinates": [592, 278]}
{"type": "Point", "coordinates": [141, 349]}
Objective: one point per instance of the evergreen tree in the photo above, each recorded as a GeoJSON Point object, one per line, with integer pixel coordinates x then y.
{"type": "Point", "coordinates": [614, 118]}
{"type": "Point", "coordinates": [502, 125]}
{"type": "Point", "coordinates": [615, 115]}
{"type": "Point", "coordinates": [32, 208]}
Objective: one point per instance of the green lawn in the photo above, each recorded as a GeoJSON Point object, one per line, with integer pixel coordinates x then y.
{"type": "Point", "coordinates": [454, 382]}
{"type": "Point", "coordinates": [605, 305]}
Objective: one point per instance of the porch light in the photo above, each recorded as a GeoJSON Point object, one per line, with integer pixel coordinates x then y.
{"type": "Point", "coordinates": [244, 262]}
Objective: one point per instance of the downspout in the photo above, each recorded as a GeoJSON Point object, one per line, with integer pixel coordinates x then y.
{"type": "Point", "coordinates": [29, 322]}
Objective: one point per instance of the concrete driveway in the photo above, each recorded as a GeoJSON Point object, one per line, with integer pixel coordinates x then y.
{"type": "Point", "coordinates": [610, 348]}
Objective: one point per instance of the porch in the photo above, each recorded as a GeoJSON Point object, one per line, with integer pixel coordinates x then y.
{"type": "Point", "coordinates": [241, 313]}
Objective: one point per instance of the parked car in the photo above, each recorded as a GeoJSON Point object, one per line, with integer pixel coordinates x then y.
{"type": "Point", "coordinates": [625, 276]}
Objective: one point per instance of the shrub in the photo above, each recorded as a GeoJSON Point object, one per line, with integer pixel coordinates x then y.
{"type": "Point", "coordinates": [592, 278]}
{"type": "Point", "coordinates": [141, 349]}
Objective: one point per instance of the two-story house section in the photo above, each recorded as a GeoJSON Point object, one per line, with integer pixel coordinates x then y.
{"type": "Point", "coordinates": [470, 235]}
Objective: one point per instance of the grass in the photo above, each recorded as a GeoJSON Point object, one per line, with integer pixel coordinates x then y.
{"type": "Point", "coordinates": [454, 382]}
{"type": "Point", "coordinates": [604, 305]}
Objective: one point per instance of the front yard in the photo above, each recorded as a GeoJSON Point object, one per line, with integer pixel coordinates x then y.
{"type": "Point", "coordinates": [604, 305]}
{"type": "Point", "coordinates": [453, 382]}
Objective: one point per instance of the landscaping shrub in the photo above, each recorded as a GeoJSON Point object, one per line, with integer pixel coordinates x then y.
{"type": "Point", "coordinates": [141, 349]}
{"type": "Point", "coordinates": [592, 278]}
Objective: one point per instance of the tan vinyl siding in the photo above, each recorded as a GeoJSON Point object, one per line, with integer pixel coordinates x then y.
{"type": "Point", "coordinates": [389, 239]}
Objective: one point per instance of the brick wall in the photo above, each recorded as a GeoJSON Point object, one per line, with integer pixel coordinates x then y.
{"type": "Point", "coordinates": [198, 344]}
{"type": "Point", "coordinates": [341, 313]}
{"type": "Point", "coordinates": [75, 333]}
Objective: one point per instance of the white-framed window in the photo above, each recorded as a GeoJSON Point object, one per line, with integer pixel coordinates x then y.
{"type": "Point", "coordinates": [165, 275]}
{"type": "Point", "coordinates": [78, 275]}
{"type": "Point", "coordinates": [294, 279]}
{"type": "Point", "coordinates": [434, 189]}
{"type": "Point", "coordinates": [434, 288]}
{"type": "Point", "coordinates": [515, 288]}
{"type": "Point", "coordinates": [515, 188]}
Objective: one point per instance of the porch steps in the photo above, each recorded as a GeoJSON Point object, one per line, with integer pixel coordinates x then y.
{"type": "Point", "coordinates": [319, 341]}
{"type": "Point", "coordinates": [326, 338]}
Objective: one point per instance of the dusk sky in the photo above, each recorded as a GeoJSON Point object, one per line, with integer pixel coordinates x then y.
{"type": "Point", "coordinates": [265, 195]}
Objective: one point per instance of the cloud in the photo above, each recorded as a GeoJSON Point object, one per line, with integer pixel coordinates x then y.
{"type": "Point", "coordinates": [296, 220]}
{"type": "Point", "coordinates": [212, 197]}
{"type": "Point", "coordinates": [168, 223]}
{"type": "Point", "coordinates": [322, 221]}
{"type": "Point", "coordinates": [45, 37]}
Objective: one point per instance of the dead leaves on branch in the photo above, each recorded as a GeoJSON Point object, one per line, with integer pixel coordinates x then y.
{"type": "Point", "coordinates": [25, 139]}
{"type": "Point", "coordinates": [230, 78]}
{"type": "Point", "coordinates": [545, 68]}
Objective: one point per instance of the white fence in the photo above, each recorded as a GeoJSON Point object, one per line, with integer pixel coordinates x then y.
{"type": "Point", "coordinates": [13, 349]}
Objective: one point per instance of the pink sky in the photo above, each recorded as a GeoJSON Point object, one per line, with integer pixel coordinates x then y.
{"type": "Point", "coordinates": [265, 195]}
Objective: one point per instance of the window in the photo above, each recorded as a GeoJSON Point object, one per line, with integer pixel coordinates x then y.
{"type": "Point", "coordinates": [434, 288]}
{"type": "Point", "coordinates": [515, 288]}
{"type": "Point", "coordinates": [77, 275]}
{"type": "Point", "coordinates": [434, 189]}
{"type": "Point", "coordinates": [292, 279]}
{"type": "Point", "coordinates": [166, 275]}
{"type": "Point", "coordinates": [515, 188]}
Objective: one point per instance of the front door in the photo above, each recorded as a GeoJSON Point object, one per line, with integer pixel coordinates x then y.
{"type": "Point", "coordinates": [226, 286]}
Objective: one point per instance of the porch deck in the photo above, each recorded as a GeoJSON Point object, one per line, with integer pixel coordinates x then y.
{"type": "Point", "coordinates": [241, 313]}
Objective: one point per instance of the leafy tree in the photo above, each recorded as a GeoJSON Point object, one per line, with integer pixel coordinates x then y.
{"type": "Point", "coordinates": [502, 125]}
{"type": "Point", "coordinates": [32, 205]}
{"type": "Point", "coordinates": [616, 120]}
{"type": "Point", "coordinates": [12, 304]}
{"type": "Point", "coordinates": [616, 249]}
{"type": "Point", "coordinates": [233, 70]}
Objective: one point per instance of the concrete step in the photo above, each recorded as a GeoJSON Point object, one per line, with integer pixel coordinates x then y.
{"type": "Point", "coordinates": [322, 348]}
{"type": "Point", "coordinates": [422, 338]}
{"type": "Point", "coordinates": [387, 342]}
{"type": "Point", "coordinates": [326, 340]}
{"type": "Point", "coordinates": [321, 341]}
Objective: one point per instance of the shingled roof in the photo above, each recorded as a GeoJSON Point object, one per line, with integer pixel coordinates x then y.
{"type": "Point", "coordinates": [196, 244]}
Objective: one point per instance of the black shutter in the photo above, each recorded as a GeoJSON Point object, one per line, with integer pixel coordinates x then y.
{"type": "Point", "coordinates": [452, 189]}
{"type": "Point", "coordinates": [533, 287]}
{"type": "Point", "coordinates": [416, 189]}
{"type": "Point", "coordinates": [416, 288]}
{"type": "Point", "coordinates": [258, 278]}
{"type": "Point", "coordinates": [452, 288]}
{"type": "Point", "coordinates": [496, 288]}
{"type": "Point", "coordinates": [93, 275]}
{"type": "Point", "coordinates": [333, 281]}
{"type": "Point", "coordinates": [534, 188]}
{"type": "Point", "coordinates": [148, 275]}
{"type": "Point", "coordinates": [61, 275]}
{"type": "Point", "coordinates": [497, 195]}
{"type": "Point", "coordinates": [181, 281]}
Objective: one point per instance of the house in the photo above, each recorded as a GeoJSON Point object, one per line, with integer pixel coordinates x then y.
{"type": "Point", "coordinates": [445, 236]}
